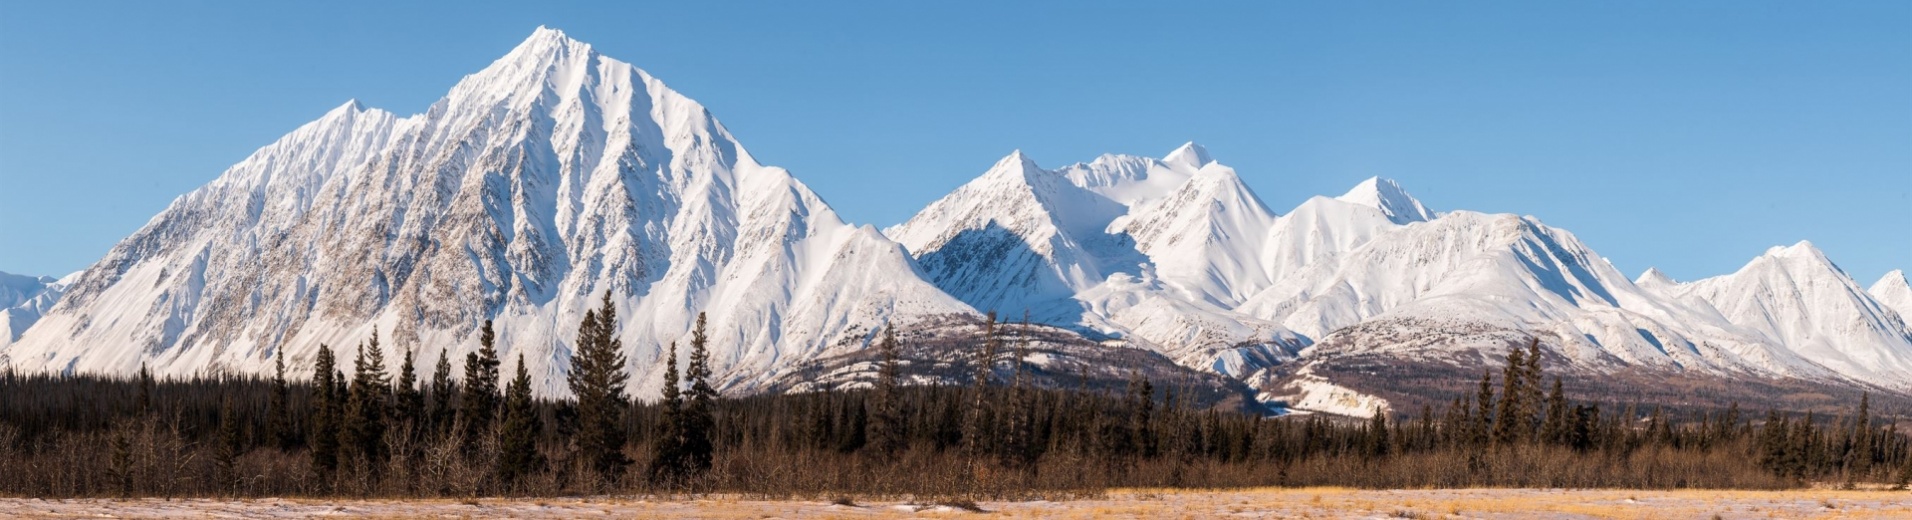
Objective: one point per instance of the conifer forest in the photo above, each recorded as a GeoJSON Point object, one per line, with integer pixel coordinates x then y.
{"type": "Point", "coordinates": [348, 425]}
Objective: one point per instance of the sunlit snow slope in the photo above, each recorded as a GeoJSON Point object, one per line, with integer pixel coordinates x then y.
{"type": "Point", "coordinates": [535, 185]}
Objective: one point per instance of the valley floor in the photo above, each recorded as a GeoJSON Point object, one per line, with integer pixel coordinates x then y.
{"type": "Point", "coordinates": [1251, 503]}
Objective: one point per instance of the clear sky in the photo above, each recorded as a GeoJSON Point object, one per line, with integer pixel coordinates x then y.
{"type": "Point", "coordinates": [1686, 135]}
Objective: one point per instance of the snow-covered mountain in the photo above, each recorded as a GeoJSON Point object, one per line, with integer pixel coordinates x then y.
{"type": "Point", "coordinates": [557, 174]}
{"type": "Point", "coordinates": [1176, 254]}
{"type": "Point", "coordinates": [1151, 251]}
{"type": "Point", "coordinates": [534, 186]}
{"type": "Point", "coordinates": [1797, 298]}
{"type": "Point", "coordinates": [1893, 292]}
{"type": "Point", "coordinates": [23, 299]}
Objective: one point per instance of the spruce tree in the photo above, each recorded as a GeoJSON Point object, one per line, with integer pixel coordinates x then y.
{"type": "Point", "coordinates": [886, 422]}
{"type": "Point", "coordinates": [478, 405]}
{"type": "Point", "coordinates": [1511, 417]}
{"type": "Point", "coordinates": [1378, 443]}
{"type": "Point", "coordinates": [1554, 429]}
{"type": "Point", "coordinates": [444, 398]}
{"type": "Point", "coordinates": [279, 430]}
{"type": "Point", "coordinates": [1858, 457]}
{"type": "Point", "coordinates": [517, 449]}
{"type": "Point", "coordinates": [408, 403]}
{"type": "Point", "coordinates": [597, 378]}
{"type": "Point", "coordinates": [668, 452]}
{"type": "Point", "coordinates": [1533, 414]}
{"type": "Point", "coordinates": [325, 413]}
{"type": "Point", "coordinates": [369, 406]}
{"type": "Point", "coordinates": [225, 455]}
{"type": "Point", "coordinates": [1480, 422]}
{"type": "Point", "coordinates": [1141, 409]}
{"type": "Point", "coordinates": [700, 406]}
{"type": "Point", "coordinates": [144, 403]}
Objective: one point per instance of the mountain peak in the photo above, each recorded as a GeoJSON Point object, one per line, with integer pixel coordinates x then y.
{"type": "Point", "coordinates": [1895, 293]}
{"type": "Point", "coordinates": [1894, 277]}
{"type": "Point", "coordinates": [1016, 163]}
{"type": "Point", "coordinates": [548, 36]}
{"type": "Point", "coordinates": [1654, 278]}
{"type": "Point", "coordinates": [1803, 250]}
{"type": "Point", "coordinates": [1191, 155]}
{"type": "Point", "coordinates": [1388, 196]}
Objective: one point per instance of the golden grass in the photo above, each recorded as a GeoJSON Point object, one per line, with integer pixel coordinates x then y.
{"type": "Point", "coordinates": [1316, 502]}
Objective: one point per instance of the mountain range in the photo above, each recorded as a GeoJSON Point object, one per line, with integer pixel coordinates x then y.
{"type": "Point", "coordinates": [556, 175]}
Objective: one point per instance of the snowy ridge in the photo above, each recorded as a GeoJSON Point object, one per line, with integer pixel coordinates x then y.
{"type": "Point", "coordinates": [1894, 293]}
{"type": "Point", "coordinates": [1218, 268]}
{"type": "Point", "coordinates": [535, 185]}
{"type": "Point", "coordinates": [556, 174]}
{"type": "Point", "coordinates": [23, 299]}
{"type": "Point", "coordinates": [1388, 196]}
{"type": "Point", "coordinates": [1795, 297]}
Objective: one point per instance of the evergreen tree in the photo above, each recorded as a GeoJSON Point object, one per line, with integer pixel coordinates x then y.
{"type": "Point", "coordinates": [279, 430]}
{"type": "Point", "coordinates": [887, 429]}
{"type": "Point", "coordinates": [1554, 429]}
{"type": "Point", "coordinates": [1511, 416]}
{"type": "Point", "coordinates": [444, 401]}
{"type": "Point", "coordinates": [1858, 457]}
{"type": "Point", "coordinates": [700, 405]}
{"type": "Point", "coordinates": [1480, 421]}
{"type": "Point", "coordinates": [408, 403]}
{"type": "Point", "coordinates": [325, 413]}
{"type": "Point", "coordinates": [225, 455]}
{"type": "Point", "coordinates": [478, 405]}
{"type": "Point", "coordinates": [518, 450]}
{"type": "Point", "coordinates": [668, 452]}
{"type": "Point", "coordinates": [369, 405]}
{"type": "Point", "coordinates": [1378, 443]}
{"type": "Point", "coordinates": [144, 404]}
{"type": "Point", "coordinates": [597, 378]}
{"type": "Point", "coordinates": [1531, 402]}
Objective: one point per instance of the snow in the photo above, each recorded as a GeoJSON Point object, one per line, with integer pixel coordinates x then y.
{"type": "Point", "coordinates": [1894, 293]}
{"type": "Point", "coordinates": [1797, 298]}
{"type": "Point", "coordinates": [1388, 196]}
{"type": "Point", "coordinates": [535, 185]}
{"type": "Point", "coordinates": [24, 299]}
{"type": "Point", "coordinates": [555, 174]}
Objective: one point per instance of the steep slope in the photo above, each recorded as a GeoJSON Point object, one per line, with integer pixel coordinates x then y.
{"type": "Point", "coordinates": [1469, 284]}
{"type": "Point", "coordinates": [1388, 197]}
{"type": "Point", "coordinates": [1796, 297]}
{"type": "Point", "coordinates": [1894, 293]}
{"type": "Point", "coordinates": [1138, 249]}
{"type": "Point", "coordinates": [23, 299]}
{"type": "Point", "coordinates": [533, 187]}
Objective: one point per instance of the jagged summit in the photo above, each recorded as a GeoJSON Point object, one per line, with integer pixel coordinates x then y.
{"type": "Point", "coordinates": [1189, 155]}
{"type": "Point", "coordinates": [1653, 278]}
{"type": "Point", "coordinates": [534, 186]}
{"type": "Point", "coordinates": [1388, 196]}
{"type": "Point", "coordinates": [1895, 293]}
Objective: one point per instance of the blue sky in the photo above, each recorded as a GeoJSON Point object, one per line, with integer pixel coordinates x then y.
{"type": "Point", "coordinates": [1689, 136]}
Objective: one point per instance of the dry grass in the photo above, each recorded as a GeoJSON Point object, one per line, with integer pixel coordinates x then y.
{"type": "Point", "coordinates": [1322, 502]}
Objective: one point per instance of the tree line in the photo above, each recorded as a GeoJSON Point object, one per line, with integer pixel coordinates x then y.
{"type": "Point", "coordinates": [369, 432]}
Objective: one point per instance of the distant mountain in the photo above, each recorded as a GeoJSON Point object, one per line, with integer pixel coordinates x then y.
{"type": "Point", "coordinates": [556, 174]}
{"type": "Point", "coordinates": [1893, 292]}
{"type": "Point", "coordinates": [23, 299]}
